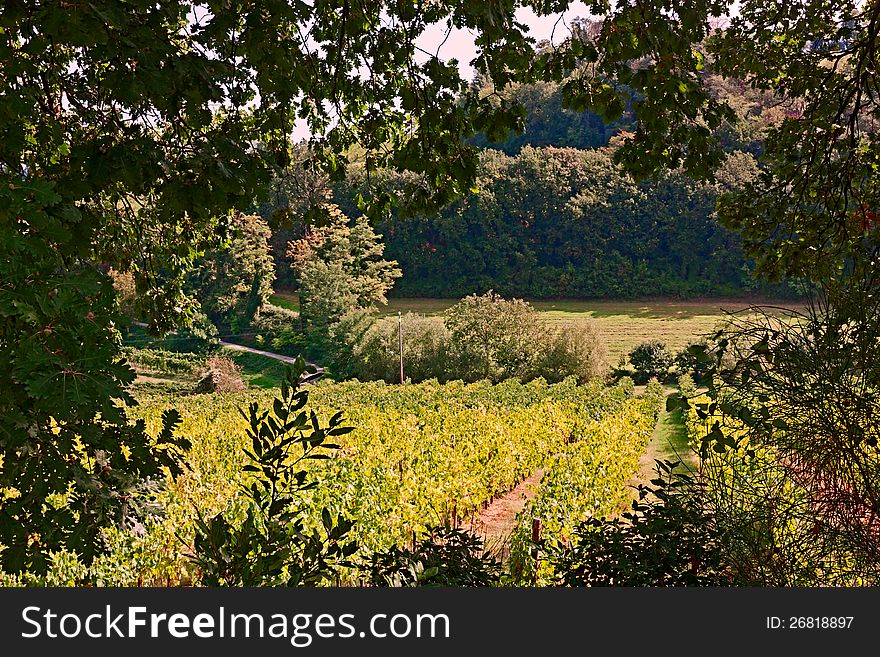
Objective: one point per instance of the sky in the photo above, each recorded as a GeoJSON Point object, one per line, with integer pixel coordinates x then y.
{"type": "Point", "coordinates": [460, 44]}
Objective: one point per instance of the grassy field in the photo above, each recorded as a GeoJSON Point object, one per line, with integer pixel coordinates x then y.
{"type": "Point", "coordinates": [164, 372]}
{"type": "Point", "coordinates": [285, 300]}
{"type": "Point", "coordinates": [622, 324]}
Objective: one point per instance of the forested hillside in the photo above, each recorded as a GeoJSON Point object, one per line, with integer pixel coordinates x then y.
{"type": "Point", "coordinates": [552, 215]}
{"type": "Point", "coordinates": [566, 222]}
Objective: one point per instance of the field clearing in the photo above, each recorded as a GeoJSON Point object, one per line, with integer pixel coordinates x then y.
{"type": "Point", "coordinates": [621, 324]}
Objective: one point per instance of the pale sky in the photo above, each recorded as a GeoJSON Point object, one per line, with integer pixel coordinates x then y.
{"type": "Point", "coordinates": [460, 44]}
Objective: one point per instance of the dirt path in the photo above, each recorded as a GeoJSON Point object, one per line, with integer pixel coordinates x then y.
{"type": "Point", "coordinates": [267, 354]}
{"type": "Point", "coordinates": [496, 522]}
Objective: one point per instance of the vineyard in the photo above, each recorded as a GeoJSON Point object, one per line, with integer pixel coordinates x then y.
{"type": "Point", "coordinates": [419, 455]}
{"type": "Point", "coordinates": [587, 479]}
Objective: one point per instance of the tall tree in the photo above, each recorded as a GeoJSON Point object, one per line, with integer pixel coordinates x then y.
{"type": "Point", "coordinates": [340, 267]}
{"type": "Point", "coordinates": [232, 282]}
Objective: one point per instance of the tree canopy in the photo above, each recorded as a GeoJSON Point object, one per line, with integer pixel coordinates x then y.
{"type": "Point", "coordinates": [129, 134]}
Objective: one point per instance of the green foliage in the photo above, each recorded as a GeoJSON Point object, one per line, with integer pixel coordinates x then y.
{"type": "Point", "coordinates": [481, 337]}
{"type": "Point", "coordinates": [279, 330]}
{"type": "Point", "coordinates": [666, 539]}
{"type": "Point", "coordinates": [572, 350]}
{"type": "Point", "coordinates": [547, 122]}
{"type": "Point", "coordinates": [789, 467]}
{"type": "Point", "coordinates": [130, 133]}
{"type": "Point", "coordinates": [133, 152]}
{"type": "Point", "coordinates": [811, 209]}
{"type": "Point", "coordinates": [650, 360]}
{"type": "Point", "coordinates": [163, 361]}
{"type": "Point", "coordinates": [784, 472]}
{"type": "Point", "coordinates": [693, 360]}
{"type": "Point", "coordinates": [272, 545]}
{"type": "Point", "coordinates": [645, 58]}
{"type": "Point", "coordinates": [362, 348]}
{"type": "Point", "coordinates": [340, 268]}
{"type": "Point", "coordinates": [492, 338]}
{"type": "Point", "coordinates": [232, 283]}
{"type": "Point", "coordinates": [64, 474]}
{"type": "Point", "coordinates": [198, 336]}
{"type": "Point", "coordinates": [560, 222]}
{"type": "Point", "coordinates": [443, 557]}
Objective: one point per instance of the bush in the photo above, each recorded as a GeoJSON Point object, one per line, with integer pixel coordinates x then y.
{"type": "Point", "coordinates": [650, 360]}
{"type": "Point", "coordinates": [667, 539]}
{"type": "Point", "coordinates": [572, 351]}
{"type": "Point", "coordinates": [425, 350]}
{"type": "Point", "coordinates": [272, 546]}
{"type": "Point", "coordinates": [347, 339]}
{"type": "Point", "coordinates": [481, 337]}
{"type": "Point", "coordinates": [221, 375]}
{"type": "Point", "coordinates": [199, 337]}
{"type": "Point", "coordinates": [694, 360]}
{"type": "Point", "coordinates": [493, 338]}
{"type": "Point", "coordinates": [277, 327]}
{"type": "Point", "coordinates": [445, 557]}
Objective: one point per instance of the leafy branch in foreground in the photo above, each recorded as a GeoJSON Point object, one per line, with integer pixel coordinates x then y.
{"type": "Point", "coordinates": [666, 539]}
{"type": "Point", "coordinates": [788, 434]}
{"type": "Point", "coordinates": [444, 557]}
{"type": "Point", "coordinates": [273, 546]}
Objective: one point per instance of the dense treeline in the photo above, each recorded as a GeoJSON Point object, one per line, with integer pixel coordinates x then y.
{"type": "Point", "coordinates": [552, 215]}
{"type": "Point", "coordinates": [566, 222]}
{"type": "Point", "coordinates": [548, 123]}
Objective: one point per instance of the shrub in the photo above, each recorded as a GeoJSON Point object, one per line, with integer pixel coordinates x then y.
{"type": "Point", "coordinates": [572, 351]}
{"type": "Point", "coordinates": [493, 338]}
{"type": "Point", "coordinates": [650, 360]}
{"type": "Point", "coordinates": [347, 340]}
{"type": "Point", "coordinates": [221, 375]}
{"type": "Point", "coordinates": [200, 337]}
{"type": "Point", "coordinates": [444, 557]}
{"type": "Point", "coordinates": [426, 347]}
{"type": "Point", "coordinates": [278, 329]}
{"type": "Point", "coordinates": [272, 545]}
{"type": "Point", "coordinates": [666, 539]}
{"type": "Point", "coordinates": [694, 360]}
{"type": "Point", "coordinates": [481, 337]}
{"type": "Point", "coordinates": [425, 350]}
